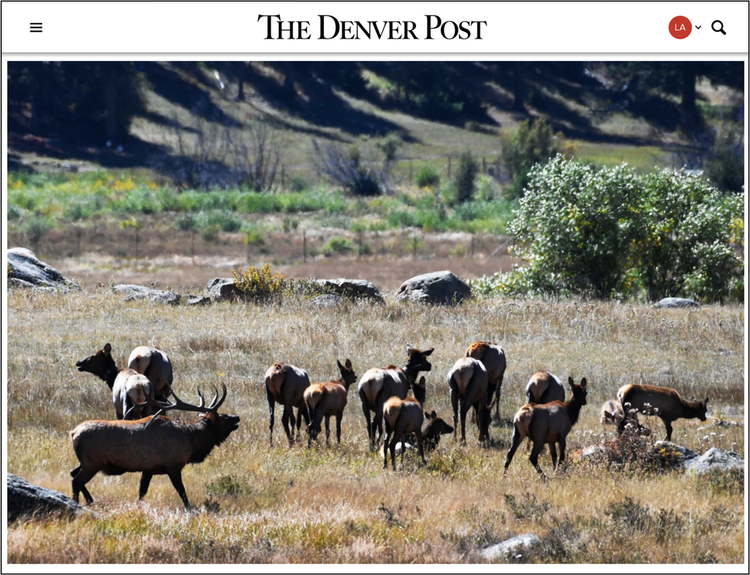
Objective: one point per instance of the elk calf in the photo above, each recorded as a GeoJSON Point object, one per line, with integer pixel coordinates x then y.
{"type": "Point", "coordinates": [286, 384]}
{"type": "Point", "coordinates": [154, 446]}
{"type": "Point", "coordinates": [611, 412]}
{"type": "Point", "coordinates": [129, 388]}
{"type": "Point", "coordinates": [327, 399]}
{"type": "Point", "coordinates": [664, 402]}
{"type": "Point", "coordinates": [468, 382]}
{"type": "Point", "coordinates": [492, 357]}
{"type": "Point", "coordinates": [403, 416]}
{"type": "Point", "coordinates": [549, 423]}
{"type": "Point", "coordinates": [156, 366]}
{"type": "Point", "coordinates": [377, 385]}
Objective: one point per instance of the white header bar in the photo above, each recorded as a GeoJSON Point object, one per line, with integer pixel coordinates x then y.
{"type": "Point", "coordinates": [408, 28]}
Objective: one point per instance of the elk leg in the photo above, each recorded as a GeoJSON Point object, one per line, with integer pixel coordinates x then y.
{"type": "Point", "coordinates": [285, 417]}
{"type": "Point", "coordinates": [386, 446]}
{"type": "Point", "coordinates": [366, 411]}
{"type": "Point", "coordinates": [328, 428]}
{"type": "Point", "coordinates": [145, 482]}
{"type": "Point", "coordinates": [668, 425]}
{"type": "Point", "coordinates": [553, 454]}
{"type": "Point", "coordinates": [419, 446]}
{"type": "Point", "coordinates": [454, 403]}
{"type": "Point", "coordinates": [562, 451]}
{"type": "Point", "coordinates": [464, 411]}
{"type": "Point", "coordinates": [176, 478]}
{"type": "Point", "coordinates": [79, 485]}
{"type": "Point", "coordinates": [338, 427]}
{"type": "Point", "coordinates": [515, 442]}
{"type": "Point", "coordinates": [377, 421]}
{"type": "Point", "coordinates": [305, 414]}
{"type": "Point", "coordinates": [271, 405]}
{"type": "Point", "coordinates": [534, 457]}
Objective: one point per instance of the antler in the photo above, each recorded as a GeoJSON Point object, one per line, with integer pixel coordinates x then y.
{"type": "Point", "coordinates": [183, 406]}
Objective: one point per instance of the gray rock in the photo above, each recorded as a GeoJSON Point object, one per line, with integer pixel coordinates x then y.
{"type": "Point", "coordinates": [136, 292]}
{"type": "Point", "coordinates": [198, 300]}
{"type": "Point", "coordinates": [715, 460]}
{"type": "Point", "coordinates": [30, 272]}
{"type": "Point", "coordinates": [676, 302]}
{"type": "Point", "coordinates": [328, 300]}
{"type": "Point", "coordinates": [219, 289]}
{"type": "Point", "coordinates": [673, 455]}
{"type": "Point", "coordinates": [522, 544]}
{"type": "Point", "coordinates": [442, 288]}
{"type": "Point", "coordinates": [352, 289]}
{"type": "Point", "coordinates": [28, 500]}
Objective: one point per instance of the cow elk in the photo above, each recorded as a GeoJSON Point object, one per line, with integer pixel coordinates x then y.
{"type": "Point", "coordinates": [156, 366]}
{"type": "Point", "coordinates": [128, 387]}
{"type": "Point", "coordinates": [469, 387]}
{"type": "Point", "coordinates": [377, 385]}
{"type": "Point", "coordinates": [549, 423]}
{"type": "Point", "coordinates": [153, 445]}
{"type": "Point", "coordinates": [327, 399]}
{"type": "Point", "coordinates": [544, 387]}
{"type": "Point", "coordinates": [492, 357]}
{"type": "Point", "coordinates": [403, 416]}
{"type": "Point", "coordinates": [663, 402]}
{"type": "Point", "coordinates": [286, 385]}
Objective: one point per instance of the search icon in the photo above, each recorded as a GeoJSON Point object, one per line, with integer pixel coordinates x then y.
{"type": "Point", "coordinates": [719, 28]}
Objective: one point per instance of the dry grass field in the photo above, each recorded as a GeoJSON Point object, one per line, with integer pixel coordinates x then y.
{"type": "Point", "coordinates": [281, 504]}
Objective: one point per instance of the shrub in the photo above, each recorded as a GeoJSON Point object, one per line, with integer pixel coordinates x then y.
{"type": "Point", "coordinates": [259, 284]}
{"type": "Point", "coordinates": [345, 167]}
{"type": "Point", "coordinates": [428, 176]}
{"type": "Point", "coordinates": [35, 229]}
{"type": "Point", "coordinates": [465, 176]}
{"type": "Point", "coordinates": [298, 184]}
{"type": "Point", "coordinates": [530, 145]}
{"type": "Point", "coordinates": [337, 245]}
{"type": "Point", "coordinates": [725, 164]}
{"type": "Point", "coordinates": [611, 232]}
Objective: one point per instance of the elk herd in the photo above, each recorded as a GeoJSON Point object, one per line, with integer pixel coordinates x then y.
{"type": "Point", "coordinates": [143, 440]}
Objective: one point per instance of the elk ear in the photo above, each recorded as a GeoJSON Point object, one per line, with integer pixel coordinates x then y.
{"type": "Point", "coordinates": [348, 364]}
{"type": "Point", "coordinates": [584, 383]}
{"type": "Point", "coordinates": [107, 349]}
{"type": "Point", "coordinates": [705, 402]}
{"type": "Point", "coordinates": [571, 383]}
{"type": "Point", "coordinates": [427, 415]}
{"type": "Point", "coordinates": [428, 351]}
{"type": "Point", "coordinates": [341, 367]}
{"type": "Point", "coordinates": [422, 381]}
{"type": "Point", "coordinates": [408, 349]}
{"type": "Point", "coordinates": [433, 415]}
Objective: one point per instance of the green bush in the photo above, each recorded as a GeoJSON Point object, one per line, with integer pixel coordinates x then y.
{"type": "Point", "coordinates": [428, 176]}
{"type": "Point", "coordinates": [614, 233]}
{"type": "Point", "coordinates": [530, 145]}
{"type": "Point", "coordinates": [337, 245]}
{"type": "Point", "coordinates": [465, 176]}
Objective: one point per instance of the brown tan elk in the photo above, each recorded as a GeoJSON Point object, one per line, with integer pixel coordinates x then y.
{"type": "Point", "coordinates": [286, 385]}
{"type": "Point", "coordinates": [549, 424]}
{"type": "Point", "coordinates": [327, 399]}
{"type": "Point", "coordinates": [611, 412]}
{"type": "Point", "coordinates": [433, 428]}
{"type": "Point", "coordinates": [156, 366]}
{"type": "Point", "coordinates": [544, 387]}
{"type": "Point", "coordinates": [153, 445]}
{"type": "Point", "coordinates": [377, 385]}
{"type": "Point", "coordinates": [492, 357]}
{"type": "Point", "coordinates": [664, 402]}
{"type": "Point", "coordinates": [129, 387]}
{"type": "Point", "coordinates": [404, 416]}
{"type": "Point", "coordinates": [469, 387]}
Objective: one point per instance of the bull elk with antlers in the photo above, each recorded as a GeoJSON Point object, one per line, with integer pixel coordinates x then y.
{"type": "Point", "coordinates": [153, 445]}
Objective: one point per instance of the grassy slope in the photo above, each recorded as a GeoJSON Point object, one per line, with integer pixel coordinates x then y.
{"type": "Point", "coordinates": [297, 505]}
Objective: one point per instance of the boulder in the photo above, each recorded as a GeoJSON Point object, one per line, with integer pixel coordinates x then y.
{"type": "Point", "coordinates": [28, 500]}
{"type": "Point", "coordinates": [220, 289]}
{"type": "Point", "coordinates": [135, 292]}
{"type": "Point", "coordinates": [442, 288]}
{"type": "Point", "coordinates": [352, 289]}
{"type": "Point", "coordinates": [520, 545]}
{"type": "Point", "coordinates": [26, 271]}
{"type": "Point", "coordinates": [676, 302]}
{"type": "Point", "coordinates": [715, 460]}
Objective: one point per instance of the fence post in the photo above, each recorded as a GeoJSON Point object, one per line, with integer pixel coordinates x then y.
{"type": "Point", "coordinates": [449, 167]}
{"type": "Point", "coordinates": [304, 246]}
{"type": "Point", "coordinates": [410, 172]}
